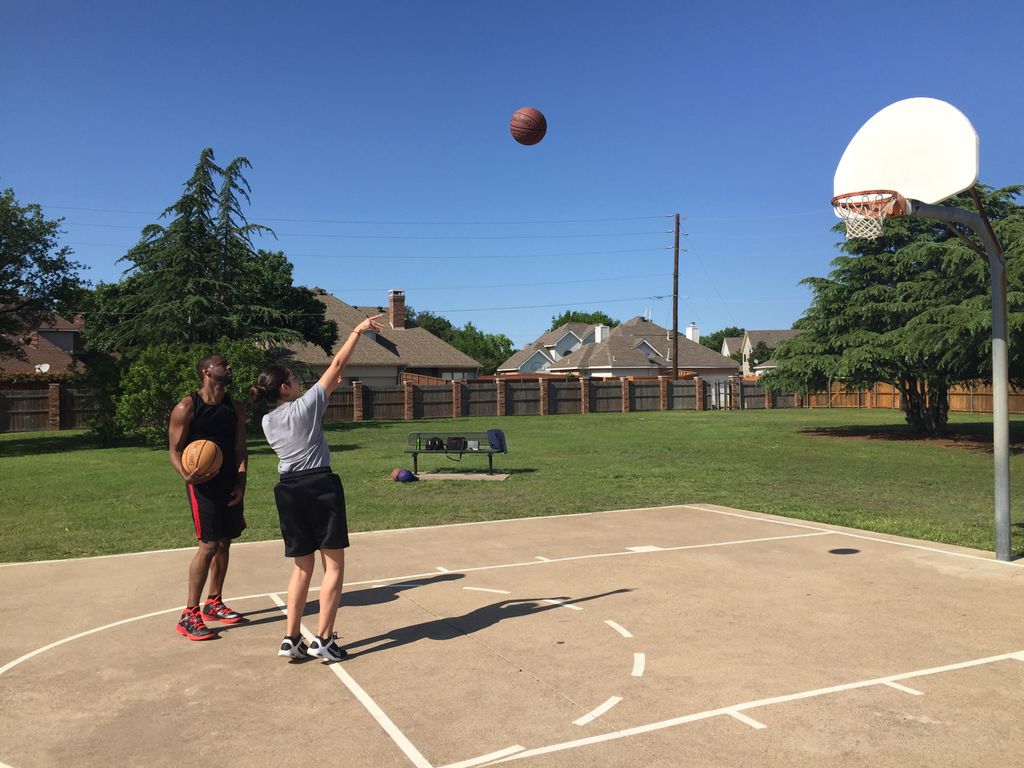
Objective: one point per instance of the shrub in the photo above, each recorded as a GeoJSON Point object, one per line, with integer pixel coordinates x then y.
{"type": "Point", "coordinates": [162, 375]}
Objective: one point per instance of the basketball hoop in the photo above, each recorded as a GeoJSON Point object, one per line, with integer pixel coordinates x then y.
{"type": "Point", "coordinates": [865, 212]}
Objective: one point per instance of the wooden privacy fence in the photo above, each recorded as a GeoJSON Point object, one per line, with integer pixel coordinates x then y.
{"type": "Point", "coordinates": [31, 407]}
{"type": "Point", "coordinates": [971, 398]}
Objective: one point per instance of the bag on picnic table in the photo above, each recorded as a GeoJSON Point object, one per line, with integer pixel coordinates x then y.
{"type": "Point", "coordinates": [455, 445]}
{"type": "Point", "coordinates": [435, 444]}
{"type": "Point", "coordinates": [496, 439]}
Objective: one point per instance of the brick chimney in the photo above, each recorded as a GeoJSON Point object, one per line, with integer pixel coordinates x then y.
{"type": "Point", "coordinates": [396, 308]}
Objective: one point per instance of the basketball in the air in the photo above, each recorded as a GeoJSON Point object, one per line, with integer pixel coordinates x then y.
{"type": "Point", "coordinates": [528, 126]}
{"type": "Point", "coordinates": [202, 456]}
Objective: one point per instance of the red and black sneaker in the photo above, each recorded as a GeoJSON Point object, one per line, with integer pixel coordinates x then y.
{"type": "Point", "coordinates": [215, 610]}
{"type": "Point", "coordinates": [191, 625]}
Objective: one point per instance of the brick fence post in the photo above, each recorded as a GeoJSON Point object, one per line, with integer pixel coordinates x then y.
{"type": "Point", "coordinates": [357, 401]}
{"type": "Point", "coordinates": [584, 394]}
{"type": "Point", "coordinates": [409, 401]}
{"type": "Point", "coordinates": [767, 398]}
{"type": "Point", "coordinates": [500, 383]}
{"type": "Point", "coordinates": [544, 405]}
{"type": "Point", "coordinates": [663, 392]}
{"type": "Point", "coordinates": [698, 393]}
{"type": "Point", "coordinates": [53, 406]}
{"type": "Point", "coordinates": [624, 382]}
{"type": "Point", "coordinates": [456, 399]}
{"type": "Point", "coordinates": [736, 392]}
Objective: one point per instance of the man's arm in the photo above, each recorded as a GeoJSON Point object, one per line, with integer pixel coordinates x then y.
{"type": "Point", "coordinates": [177, 435]}
{"type": "Point", "coordinates": [241, 456]}
{"type": "Point", "coordinates": [332, 376]}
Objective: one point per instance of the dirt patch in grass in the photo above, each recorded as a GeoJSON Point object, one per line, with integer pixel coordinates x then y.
{"type": "Point", "coordinates": [975, 437]}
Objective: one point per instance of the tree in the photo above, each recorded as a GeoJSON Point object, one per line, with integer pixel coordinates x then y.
{"type": "Point", "coordinates": [164, 373]}
{"type": "Point", "coordinates": [575, 316]}
{"type": "Point", "coordinates": [913, 308]}
{"type": "Point", "coordinates": [759, 354]}
{"type": "Point", "coordinates": [37, 275]}
{"type": "Point", "coordinates": [437, 325]}
{"type": "Point", "coordinates": [488, 349]}
{"type": "Point", "coordinates": [200, 278]}
{"type": "Point", "coordinates": [714, 340]}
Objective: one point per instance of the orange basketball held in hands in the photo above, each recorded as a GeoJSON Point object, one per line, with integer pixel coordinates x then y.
{"type": "Point", "coordinates": [528, 126]}
{"type": "Point", "coordinates": [203, 457]}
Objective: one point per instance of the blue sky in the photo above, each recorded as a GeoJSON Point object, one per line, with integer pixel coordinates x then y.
{"type": "Point", "coordinates": [381, 154]}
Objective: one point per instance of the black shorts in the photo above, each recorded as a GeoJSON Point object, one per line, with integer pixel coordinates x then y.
{"type": "Point", "coordinates": [211, 515]}
{"type": "Point", "coordinates": [311, 507]}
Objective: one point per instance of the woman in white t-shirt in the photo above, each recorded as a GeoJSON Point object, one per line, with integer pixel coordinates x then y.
{"type": "Point", "coordinates": [310, 497]}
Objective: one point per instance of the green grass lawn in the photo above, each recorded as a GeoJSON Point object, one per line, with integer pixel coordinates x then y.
{"type": "Point", "coordinates": [63, 497]}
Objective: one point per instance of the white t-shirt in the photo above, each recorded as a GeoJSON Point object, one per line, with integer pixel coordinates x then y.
{"type": "Point", "coordinates": [295, 432]}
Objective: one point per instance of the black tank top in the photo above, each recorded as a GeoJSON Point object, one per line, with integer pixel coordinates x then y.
{"type": "Point", "coordinates": [217, 423]}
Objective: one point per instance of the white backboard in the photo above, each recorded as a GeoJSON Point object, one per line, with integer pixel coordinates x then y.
{"type": "Point", "coordinates": [925, 149]}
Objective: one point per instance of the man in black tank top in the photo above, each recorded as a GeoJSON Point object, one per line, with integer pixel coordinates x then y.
{"type": "Point", "coordinates": [215, 501]}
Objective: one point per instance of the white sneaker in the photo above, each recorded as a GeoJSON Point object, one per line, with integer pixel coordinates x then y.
{"type": "Point", "coordinates": [326, 648]}
{"type": "Point", "coordinates": [293, 649]}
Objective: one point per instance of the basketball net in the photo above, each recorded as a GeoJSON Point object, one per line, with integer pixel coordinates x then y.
{"type": "Point", "coordinates": [865, 212]}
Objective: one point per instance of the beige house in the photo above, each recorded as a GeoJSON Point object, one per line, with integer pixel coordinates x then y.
{"type": "Point", "coordinates": [637, 347]}
{"type": "Point", "coordinates": [771, 339]}
{"type": "Point", "coordinates": [382, 358]}
{"type": "Point", "coordinates": [731, 345]}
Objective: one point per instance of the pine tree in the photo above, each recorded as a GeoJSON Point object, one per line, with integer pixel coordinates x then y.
{"type": "Point", "coordinates": [913, 308]}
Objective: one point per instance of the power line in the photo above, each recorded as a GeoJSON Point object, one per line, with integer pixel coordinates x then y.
{"type": "Point", "coordinates": [512, 285]}
{"type": "Point", "coordinates": [409, 237]}
{"type": "Point", "coordinates": [422, 257]}
{"type": "Point", "coordinates": [567, 303]}
{"type": "Point", "coordinates": [382, 221]}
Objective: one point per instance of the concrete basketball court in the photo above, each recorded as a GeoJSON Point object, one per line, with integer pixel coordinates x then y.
{"type": "Point", "coordinates": [687, 635]}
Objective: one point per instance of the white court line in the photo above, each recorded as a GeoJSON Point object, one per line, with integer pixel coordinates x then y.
{"type": "Point", "coordinates": [442, 569]}
{"type": "Point", "coordinates": [385, 722]}
{"type": "Point", "coordinates": [88, 632]}
{"type": "Point", "coordinates": [618, 628]}
{"type": "Point", "coordinates": [547, 518]}
{"type": "Point", "coordinates": [1014, 563]}
{"type": "Point", "coordinates": [639, 661]}
{"type": "Point", "coordinates": [645, 548]}
{"type": "Point", "coordinates": [357, 533]}
{"type": "Point", "coordinates": [486, 758]}
{"type": "Point", "coordinates": [562, 604]}
{"type": "Point", "coordinates": [598, 711]}
{"type": "Point", "coordinates": [402, 581]}
{"type": "Point", "coordinates": [484, 589]}
{"type": "Point", "coordinates": [542, 559]}
{"type": "Point", "coordinates": [904, 688]}
{"type": "Point", "coordinates": [734, 710]}
{"type": "Point", "coordinates": [748, 720]}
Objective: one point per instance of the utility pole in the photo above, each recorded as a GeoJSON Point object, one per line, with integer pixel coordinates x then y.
{"type": "Point", "coordinates": [675, 306]}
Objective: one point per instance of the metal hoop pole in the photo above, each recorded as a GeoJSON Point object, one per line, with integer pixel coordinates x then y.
{"type": "Point", "coordinates": [1000, 365]}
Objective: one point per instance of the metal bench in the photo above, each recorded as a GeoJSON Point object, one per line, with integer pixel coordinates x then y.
{"type": "Point", "coordinates": [473, 444]}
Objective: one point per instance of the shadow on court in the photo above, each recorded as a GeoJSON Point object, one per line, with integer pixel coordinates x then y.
{"type": "Point", "coordinates": [474, 621]}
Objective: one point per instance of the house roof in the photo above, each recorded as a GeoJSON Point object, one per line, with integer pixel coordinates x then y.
{"type": "Point", "coordinates": [734, 343]}
{"type": "Point", "coordinates": [543, 342]}
{"type": "Point", "coordinates": [45, 353]}
{"type": "Point", "coordinates": [408, 347]}
{"type": "Point", "coordinates": [624, 349]}
{"type": "Point", "coordinates": [770, 338]}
